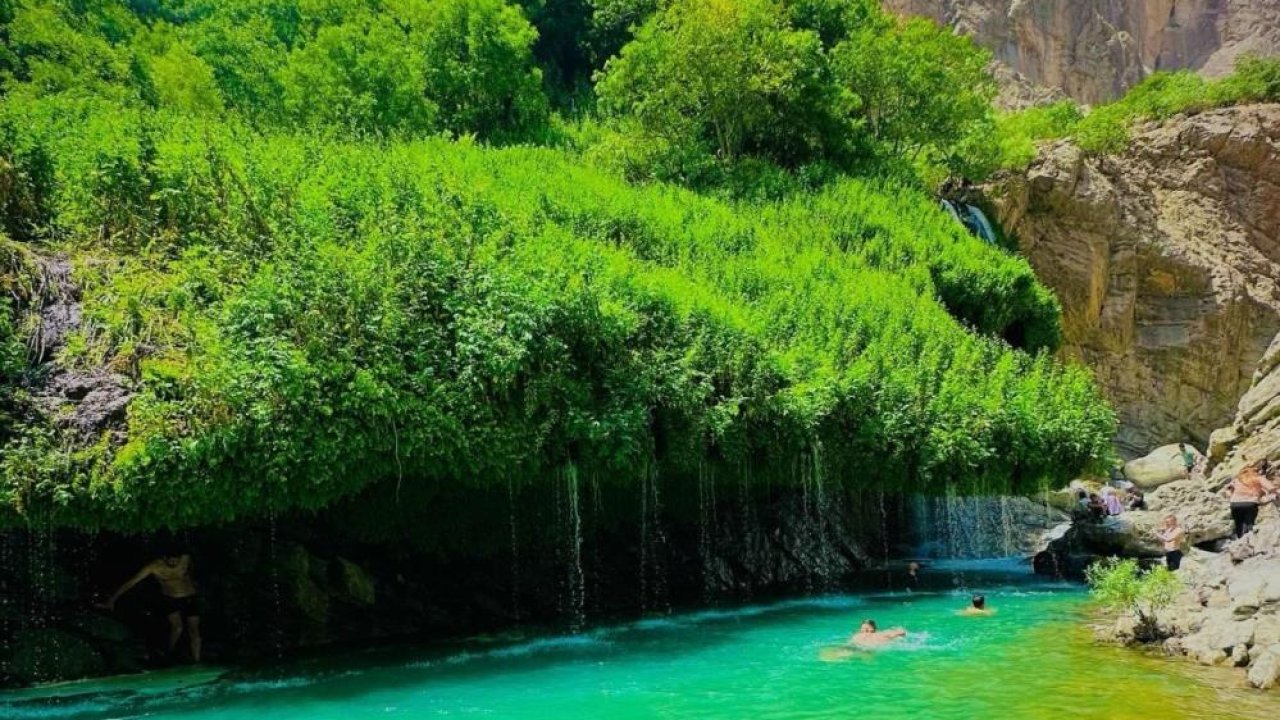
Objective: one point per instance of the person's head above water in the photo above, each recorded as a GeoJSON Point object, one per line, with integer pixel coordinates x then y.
{"type": "Point", "coordinates": [868, 626]}
{"type": "Point", "coordinates": [979, 602]}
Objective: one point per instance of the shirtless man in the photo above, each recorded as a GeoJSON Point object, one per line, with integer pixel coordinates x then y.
{"type": "Point", "coordinates": [1171, 536]}
{"type": "Point", "coordinates": [977, 606]}
{"type": "Point", "coordinates": [868, 637]}
{"type": "Point", "coordinates": [173, 573]}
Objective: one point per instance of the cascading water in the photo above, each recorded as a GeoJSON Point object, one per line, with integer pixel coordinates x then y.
{"type": "Point", "coordinates": [653, 541]}
{"type": "Point", "coordinates": [577, 579]}
{"type": "Point", "coordinates": [706, 529]}
{"type": "Point", "coordinates": [973, 218]}
{"type": "Point", "coordinates": [515, 548]}
{"type": "Point", "coordinates": [957, 526]}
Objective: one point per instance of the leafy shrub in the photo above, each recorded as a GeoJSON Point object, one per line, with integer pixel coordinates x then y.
{"type": "Point", "coordinates": [1121, 586]}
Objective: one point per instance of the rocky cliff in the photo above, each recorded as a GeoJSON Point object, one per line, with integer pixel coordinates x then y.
{"type": "Point", "coordinates": [1093, 50]}
{"type": "Point", "coordinates": [1167, 261]}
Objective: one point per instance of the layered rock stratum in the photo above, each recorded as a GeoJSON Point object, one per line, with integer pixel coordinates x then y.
{"type": "Point", "coordinates": [1166, 258]}
{"type": "Point", "coordinates": [1094, 50]}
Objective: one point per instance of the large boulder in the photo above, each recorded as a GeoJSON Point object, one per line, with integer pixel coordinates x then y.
{"type": "Point", "coordinates": [1264, 669]}
{"type": "Point", "coordinates": [354, 585]}
{"type": "Point", "coordinates": [1163, 465]}
{"type": "Point", "coordinates": [48, 654]}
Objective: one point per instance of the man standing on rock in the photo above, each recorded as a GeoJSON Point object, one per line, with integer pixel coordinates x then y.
{"type": "Point", "coordinates": [173, 573]}
{"type": "Point", "coordinates": [1188, 459]}
{"type": "Point", "coordinates": [1172, 536]}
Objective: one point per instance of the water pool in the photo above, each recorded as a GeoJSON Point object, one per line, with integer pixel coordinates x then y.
{"type": "Point", "coordinates": [1033, 659]}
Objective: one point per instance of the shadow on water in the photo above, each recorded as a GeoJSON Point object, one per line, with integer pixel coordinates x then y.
{"type": "Point", "coordinates": [338, 677]}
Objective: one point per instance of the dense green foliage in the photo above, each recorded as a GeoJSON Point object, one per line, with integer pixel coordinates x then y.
{"type": "Point", "coordinates": [709, 82]}
{"type": "Point", "coordinates": [310, 299]}
{"type": "Point", "coordinates": [371, 66]}
{"type": "Point", "coordinates": [1106, 128]}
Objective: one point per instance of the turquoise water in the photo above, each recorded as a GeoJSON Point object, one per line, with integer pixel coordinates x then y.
{"type": "Point", "coordinates": [1033, 659]}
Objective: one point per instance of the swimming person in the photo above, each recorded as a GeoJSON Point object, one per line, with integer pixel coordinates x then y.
{"type": "Point", "coordinates": [173, 573]}
{"type": "Point", "coordinates": [977, 606]}
{"type": "Point", "coordinates": [868, 636]}
{"type": "Point", "coordinates": [1172, 536]}
{"type": "Point", "coordinates": [1249, 489]}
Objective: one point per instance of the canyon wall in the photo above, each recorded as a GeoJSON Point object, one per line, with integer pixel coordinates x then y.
{"type": "Point", "coordinates": [1167, 261]}
{"type": "Point", "coordinates": [1093, 50]}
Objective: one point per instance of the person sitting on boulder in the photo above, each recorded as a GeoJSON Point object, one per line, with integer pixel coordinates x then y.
{"type": "Point", "coordinates": [1112, 501]}
{"type": "Point", "coordinates": [1097, 509]}
{"type": "Point", "coordinates": [173, 573]}
{"type": "Point", "coordinates": [1136, 499]}
{"type": "Point", "coordinates": [1249, 489]}
{"type": "Point", "coordinates": [1171, 536]}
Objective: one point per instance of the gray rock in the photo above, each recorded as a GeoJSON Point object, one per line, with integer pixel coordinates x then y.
{"type": "Point", "coordinates": [1264, 670]}
{"type": "Point", "coordinates": [1163, 465]}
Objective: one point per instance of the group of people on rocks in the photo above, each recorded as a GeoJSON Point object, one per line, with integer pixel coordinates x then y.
{"type": "Point", "coordinates": [1110, 501]}
{"type": "Point", "coordinates": [1250, 489]}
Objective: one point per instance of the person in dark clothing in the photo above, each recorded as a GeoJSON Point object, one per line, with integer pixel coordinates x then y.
{"type": "Point", "coordinates": [1136, 500]}
{"type": "Point", "coordinates": [173, 573]}
{"type": "Point", "coordinates": [1249, 489]}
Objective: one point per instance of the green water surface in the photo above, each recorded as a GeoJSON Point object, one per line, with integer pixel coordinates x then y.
{"type": "Point", "coordinates": [1034, 658]}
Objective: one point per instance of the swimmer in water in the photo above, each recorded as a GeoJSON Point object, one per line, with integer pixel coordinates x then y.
{"type": "Point", "coordinates": [868, 636]}
{"type": "Point", "coordinates": [977, 606]}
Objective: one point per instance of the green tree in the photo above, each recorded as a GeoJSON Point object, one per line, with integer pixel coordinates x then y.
{"type": "Point", "coordinates": [360, 75]}
{"type": "Point", "coordinates": [914, 86]}
{"type": "Point", "coordinates": [730, 76]}
{"type": "Point", "coordinates": [476, 60]}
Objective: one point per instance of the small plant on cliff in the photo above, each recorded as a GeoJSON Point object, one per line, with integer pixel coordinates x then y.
{"type": "Point", "coordinates": [1120, 585]}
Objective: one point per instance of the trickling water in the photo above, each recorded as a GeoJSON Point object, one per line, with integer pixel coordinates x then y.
{"type": "Point", "coordinates": [577, 580]}
{"type": "Point", "coordinates": [277, 627]}
{"type": "Point", "coordinates": [823, 508]}
{"type": "Point", "coordinates": [705, 531]}
{"type": "Point", "coordinates": [515, 547]}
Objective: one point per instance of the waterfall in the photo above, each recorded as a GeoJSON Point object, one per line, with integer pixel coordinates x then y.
{"type": "Point", "coordinates": [980, 225]}
{"type": "Point", "coordinates": [706, 529]}
{"type": "Point", "coordinates": [515, 548]}
{"type": "Point", "coordinates": [973, 219]}
{"type": "Point", "coordinates": [577, 579]}
{"type": "Point", "coordinates": [957, 526]}
{"type": "Point", "coordinates": [653, 581]}
{"type": "Point", "coordinates": [277, 627]}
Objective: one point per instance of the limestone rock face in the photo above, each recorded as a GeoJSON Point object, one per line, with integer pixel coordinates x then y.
{"type": "Point", "coordinates": [1255, 432]}
{"type": "Point", "coordinates": [1167, 261]}
{"type": "Point", "coordinates": [1094, 50]}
